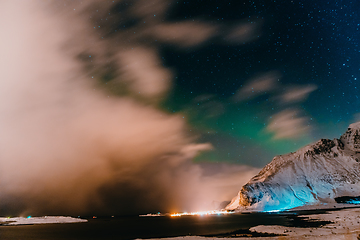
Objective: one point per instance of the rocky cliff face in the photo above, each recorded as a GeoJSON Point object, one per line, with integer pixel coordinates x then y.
{"type": "Point", "coordinates": [317, 173]}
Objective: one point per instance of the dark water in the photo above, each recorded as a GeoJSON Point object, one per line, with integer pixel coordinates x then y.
{"type": "Point", "coordinates": [143, 227]}
{"type": "Point", "coordinates": [348, 200]}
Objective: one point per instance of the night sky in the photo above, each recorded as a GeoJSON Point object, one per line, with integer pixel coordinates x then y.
{"type": "Point", "coordinates": [305, 43]}
{"type": "Point", "coordinates": [105, 106]}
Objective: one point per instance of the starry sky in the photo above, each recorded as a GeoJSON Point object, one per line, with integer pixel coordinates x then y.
{"type": "Point", "coordinates": [176, 104]}
{"type": "Point", "coordinates": [308, 45]}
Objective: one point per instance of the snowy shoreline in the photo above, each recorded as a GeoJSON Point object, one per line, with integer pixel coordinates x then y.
{"type": "Point", "coordinates": [4, 221]}
{"type": "Point", "coordinates": [343, 223]}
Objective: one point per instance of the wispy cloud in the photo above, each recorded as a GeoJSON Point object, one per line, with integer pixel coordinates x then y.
{"type": "Point", "coordinates": [185, 34]}
{"type": "Point", "coordinates": [142, 70]}
{"type": "Point", "coordinates": [258, 86]}
{"type": "Point", "coordinates": [243, 32]}
{"type": "Point", "coordinates": [297, 93]}
{"type": "Point", "coordinates": [285, 124]}
{"type": "Point", "coordinates": [288, 124]}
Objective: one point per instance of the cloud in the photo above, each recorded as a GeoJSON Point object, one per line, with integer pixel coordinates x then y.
{"type": "Point", "coordinates": [67, 147]}
{"type": "Point", "coordinates": [268, 83]}
{"type": "Point", "coordinates": [288, 124]}
{"type": "Point", "coordinates": [142, 69]}
{"type": "Point", "coordinates": [297, 93]}
{"type": "Point", "coordinates": [132, 22]}
{"type": "Point", "coordinates": [243, 32]}
{"type": "Point", "coordinates": [186, 33]}
{"type": "Point", "coordinates": [258, 86]}
{"type": "Point", "coordinates": [149, 10]}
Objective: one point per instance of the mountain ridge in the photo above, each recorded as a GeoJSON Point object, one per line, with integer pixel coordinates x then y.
{"type": "Point", "coordinates": [317, 173]}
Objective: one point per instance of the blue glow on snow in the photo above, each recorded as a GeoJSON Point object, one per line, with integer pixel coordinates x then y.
{"type": "Point", "coordinates": [29, 217]}
{"type": "Point", "coordinates": [273, 211]}
{"type": "Point", "coordinates": [353, 202]}
{"type": "Point", "coordinates": [283, 205]}
{"type": "Point", "coordinates": [286, 199]}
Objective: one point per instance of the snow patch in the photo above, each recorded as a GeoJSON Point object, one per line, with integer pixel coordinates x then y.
{"type": "Point", "coordinates": [345, 225]}
{"type": "Point", "coordinates": [39, 220]}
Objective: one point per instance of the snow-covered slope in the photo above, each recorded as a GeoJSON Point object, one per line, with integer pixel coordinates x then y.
{"type": "Point", "coordinates": [317, 173]}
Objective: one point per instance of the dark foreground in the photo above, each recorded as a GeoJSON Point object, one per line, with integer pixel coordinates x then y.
{"type": "Point", "coordinates": [234, 225]}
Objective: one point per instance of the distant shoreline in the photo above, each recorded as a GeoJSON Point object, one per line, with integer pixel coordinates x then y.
{"type": "Point", "coordinates": [14, 221]}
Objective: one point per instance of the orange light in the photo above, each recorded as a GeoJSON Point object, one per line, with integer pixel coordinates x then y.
{"type": "Point", "coordinates": [201, 213]}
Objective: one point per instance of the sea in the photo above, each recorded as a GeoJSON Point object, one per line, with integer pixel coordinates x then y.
{"type": "Point", "coordinates": [136, 227]}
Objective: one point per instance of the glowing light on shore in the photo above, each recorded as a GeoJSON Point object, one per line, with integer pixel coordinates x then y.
{"type": "Point", "coordinates": [202, 213]}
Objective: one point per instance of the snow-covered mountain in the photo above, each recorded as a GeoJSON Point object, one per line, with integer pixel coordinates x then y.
{"type": "Point", "coordinates": [317, 173]}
